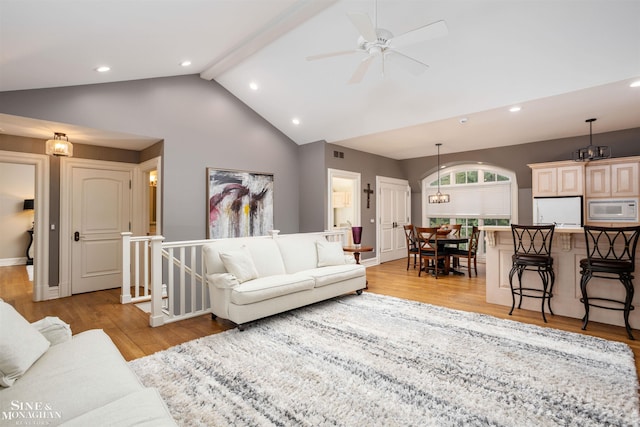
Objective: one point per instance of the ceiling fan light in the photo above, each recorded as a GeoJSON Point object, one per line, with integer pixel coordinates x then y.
{"type": "Point", "coordinates": [59, 146]}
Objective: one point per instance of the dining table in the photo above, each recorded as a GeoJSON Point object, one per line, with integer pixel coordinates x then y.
{"type": "Point", "coordinates": [450, 240]}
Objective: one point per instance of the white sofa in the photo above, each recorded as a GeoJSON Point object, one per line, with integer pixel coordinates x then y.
{"type": "Point", "coordinates": [254, 277]}
{"type": "Point", "coordinates": [81, 381]}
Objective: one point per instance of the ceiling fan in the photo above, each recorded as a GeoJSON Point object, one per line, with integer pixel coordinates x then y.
{"type": "Point", "coordinates": [379, 42]}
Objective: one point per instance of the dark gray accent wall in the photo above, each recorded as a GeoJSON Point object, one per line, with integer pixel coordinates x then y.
{"type": "Point", "coordinates": [201, 124]}
{"type": "Point", "coordinates": [313, 187]}
{"type": "Point", "coordinates": [623, 143]}
{"type": "Point", "coordinates": [369, 166]}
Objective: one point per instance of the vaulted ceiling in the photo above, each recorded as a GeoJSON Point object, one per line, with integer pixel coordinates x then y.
{"type": "Point", "coordinates": [560, 61]}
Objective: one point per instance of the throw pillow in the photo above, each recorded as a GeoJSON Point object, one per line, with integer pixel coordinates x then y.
{"type": "Point", "coordinates": [53, 329]}
{"type": "Point", "coordinates": [240, 264]}
{"type": "Point", "coordinates": [20, 345]}
{"type": "Point", "coordinates": [329, 253]}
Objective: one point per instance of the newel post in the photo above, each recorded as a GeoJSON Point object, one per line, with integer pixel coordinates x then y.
{"type": "Point", "coordinates": [125, 294]}
{"type": "Point", "coordinates": [156, 318]}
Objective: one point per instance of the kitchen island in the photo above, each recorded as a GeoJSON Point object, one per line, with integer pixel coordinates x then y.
{"type": "Point", "coordinates": [567, 250]}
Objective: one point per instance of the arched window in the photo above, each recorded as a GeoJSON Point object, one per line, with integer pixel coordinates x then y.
{"type": "Point", "coordinates": [480, 195]}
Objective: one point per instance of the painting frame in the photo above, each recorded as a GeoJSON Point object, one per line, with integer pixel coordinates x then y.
{"type": "Point", "coordinates": [239, 203]}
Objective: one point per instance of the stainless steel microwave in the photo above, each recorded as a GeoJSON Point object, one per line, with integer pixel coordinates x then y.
{"type": "Point", "coordinates": [613, 210]}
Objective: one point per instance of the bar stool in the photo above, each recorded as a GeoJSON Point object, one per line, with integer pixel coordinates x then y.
{"type": "Point", "coordinates": [532, 251]}
{"type": "Point", "coordinates": [611, 254]}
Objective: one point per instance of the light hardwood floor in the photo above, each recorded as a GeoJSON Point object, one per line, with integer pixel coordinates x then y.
{"type": "Point", "coordinates": [129, 327]}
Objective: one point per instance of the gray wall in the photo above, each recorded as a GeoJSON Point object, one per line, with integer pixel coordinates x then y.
{"type": "Point", "coordinates": [202, 125]}
{"type": "Point", "coordinates": [369, 166]}
{"type": "Point", "coordinates": [623, 143]}
{"type": "Point", "coordinates": [313, 187]}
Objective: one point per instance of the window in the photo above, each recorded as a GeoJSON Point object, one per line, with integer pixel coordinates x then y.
{"type": "Point", "coordinates": [480, 195]}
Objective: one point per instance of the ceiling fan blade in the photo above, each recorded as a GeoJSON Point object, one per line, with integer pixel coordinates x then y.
{"type": "Point", "coordinates": [421, 34]}
{"type": "Point", "coordinates": [329, 55]}
{"type": "Point", "coordinates": [361, 70]}
{"type": "Point", "coordinates": [363, 24]}
{"type": "Point", "coordinates": [414, 66]}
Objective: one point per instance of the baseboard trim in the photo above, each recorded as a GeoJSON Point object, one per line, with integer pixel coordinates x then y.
{"type": "Point", "coordinates": [6, 262]}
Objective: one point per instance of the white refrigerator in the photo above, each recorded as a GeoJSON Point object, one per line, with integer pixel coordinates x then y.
{"type": "Point", "coordinates": [562, 211]}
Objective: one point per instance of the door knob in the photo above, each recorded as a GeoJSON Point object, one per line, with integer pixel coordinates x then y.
{"type": "Point", "coordinates": [76, 236]}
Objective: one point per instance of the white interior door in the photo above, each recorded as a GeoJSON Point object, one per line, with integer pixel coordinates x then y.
{"type": "Point", "coordinates": [394, 213]}
{"type": "Point", "coordinates": [101, 201]}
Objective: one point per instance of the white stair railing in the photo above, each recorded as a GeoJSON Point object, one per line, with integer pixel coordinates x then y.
{"type": "Point", "coordinates": [171, 275]}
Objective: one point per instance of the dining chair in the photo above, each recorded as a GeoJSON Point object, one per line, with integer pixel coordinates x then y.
{"type": "Point", "coordinates": [412, 244]}
{"type": "Point", "coordinates": [611, 254]}
{"type": "Point", "coordinates": [455, 229]}
{"type": "Point", "coordinates": [470, 253]}
{"type": "Point", "coordinates": [432, 256]}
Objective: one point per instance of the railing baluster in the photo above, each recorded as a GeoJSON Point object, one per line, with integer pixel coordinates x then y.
{"type": "Point", "coordinates": [125, 293]}
{"type": "Point", "coordinates": [170, 290]}
{"type": "Point", "coordinates": [182, 284]}
{"type": "Point", "coordinates": [147, 249]}
{"type": "Point", "coordinates": [136, 268]}
{"type": "Point", "coordinates": [193, 278]}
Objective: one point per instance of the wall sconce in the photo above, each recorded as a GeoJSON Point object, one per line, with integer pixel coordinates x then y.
{"type": "Point", "coordinates": [28, 205]}
{"type": "Point", "coordinates": [59, 146]}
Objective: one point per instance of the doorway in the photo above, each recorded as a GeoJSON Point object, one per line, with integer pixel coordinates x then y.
{"type": "Point", "coordinates": [40, 251]}
{"type": "Point", "coordinates": [343, 200]}
{"type": "Point", "coordinates": [394, 212]}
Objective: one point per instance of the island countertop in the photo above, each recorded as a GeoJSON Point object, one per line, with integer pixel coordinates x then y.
{"type": "Point", "coordinates": [568, 248]}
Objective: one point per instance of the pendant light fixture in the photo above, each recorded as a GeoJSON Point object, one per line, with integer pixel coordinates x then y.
{"type": "Point", "coordinates": [439, 197]}
{"type": "Point", "coordinates": [591, 152]}
{"type": "Point", "coordinates": [59, 146]}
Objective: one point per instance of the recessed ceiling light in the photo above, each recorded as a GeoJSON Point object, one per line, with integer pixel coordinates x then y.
{"type": "Point", "coordinates": [463, 120]}
{"type": "Point", "coordinates": [295, 121]}
{"type": "Point", "coordinates": [515, 109]}
{"type": "Point", "coordinates": [635, 84]}
{"type": "Point", "coordinates": [103, 69]}
{"type": "Point", "coordinates": [253, 86]}
{"type": "Point", "coordinates": [185, 63]}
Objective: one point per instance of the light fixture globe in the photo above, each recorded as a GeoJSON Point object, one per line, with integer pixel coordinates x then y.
{"type": "Point", "coordinates": [439, 197]}
{"type": "Point", "coordinates": [59, 146]}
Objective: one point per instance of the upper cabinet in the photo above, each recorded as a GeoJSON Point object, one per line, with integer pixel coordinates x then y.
{"type": "Point", "coordinates": [557, 179]}
{"type": "Point", "coordinates": [612, 178]}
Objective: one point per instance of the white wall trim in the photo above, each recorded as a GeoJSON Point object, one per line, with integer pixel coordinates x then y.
{"type": "Point", "coordinates": [141, 195]}
{"type": "Point", "coordinates": [355, 176]}
{"type": "Point", "coordinates": [6, 262]}
{"type": "Point", "coordinates": [67, 165]}
{"type": "Point", "coordinates": [41, 219]}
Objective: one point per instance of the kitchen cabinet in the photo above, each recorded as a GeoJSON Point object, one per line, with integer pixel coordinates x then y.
{"type": "Point", "coordinates": [612, 179]}
{"type": "Point", "coordinates": [566, 179]}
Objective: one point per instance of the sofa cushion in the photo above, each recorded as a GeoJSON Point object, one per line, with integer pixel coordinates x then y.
{"type": "Point", "coordinates": [265, 288]}
{"type": "Point", "coordinates": [264, 252]}
{"type": "Point", "coordinates": [141, 408]}
{"type": "Point", "coordinates": [299, 252]}
{"type": "Point", "coordinates": [20, 345]}
{"type": "Point", "coordinates": [329, 275]}
{"type": "Point", "coordinates": [329, 253]}
{"type": "Point", "coordinates": [240, 264]}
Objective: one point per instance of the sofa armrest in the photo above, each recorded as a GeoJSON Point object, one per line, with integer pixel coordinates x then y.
{"type": "Point", "coordinates": [222, 280]}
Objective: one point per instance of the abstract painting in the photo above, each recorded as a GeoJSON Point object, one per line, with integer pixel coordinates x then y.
{"type": "Point", "coordinates": [239, 203]}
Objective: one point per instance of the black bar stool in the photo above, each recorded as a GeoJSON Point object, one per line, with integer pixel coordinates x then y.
{"type": "Point", "coordinates": [611, 254]}
{"type": "Point", "coordinates": [532, 251]}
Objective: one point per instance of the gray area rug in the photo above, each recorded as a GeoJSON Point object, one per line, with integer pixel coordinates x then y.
{"type": "Point", "coordinates": [373, 360]}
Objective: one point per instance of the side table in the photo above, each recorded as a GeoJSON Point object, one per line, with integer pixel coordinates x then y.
{"type": "Point", "coordinates": [357, 251]}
